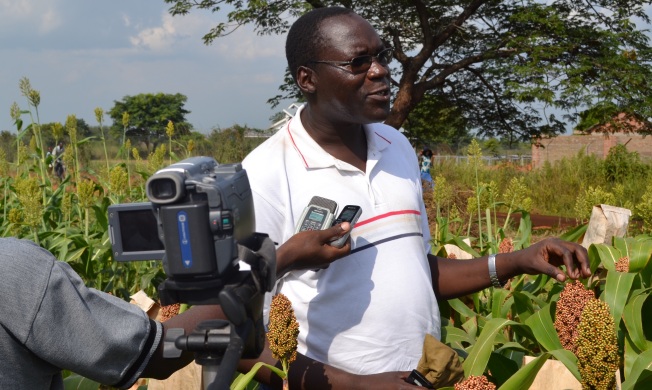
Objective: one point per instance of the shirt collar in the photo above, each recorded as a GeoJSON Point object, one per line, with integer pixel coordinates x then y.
{"type": "Point", "coordinates": [314, 156]}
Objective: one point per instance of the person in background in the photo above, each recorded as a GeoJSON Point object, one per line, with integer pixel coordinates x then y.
{"type": "Point", "coordinates": [58, 150]}
{"type": "Point", "coordinates": [49, 157]}
{"type": "Point", "coordinates": [363, 320]}
{"type": "Point", "coordinates": [426, 165]}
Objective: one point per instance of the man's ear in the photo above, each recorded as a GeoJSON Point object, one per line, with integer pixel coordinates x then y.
{"type": "Point", "coordinates": [306, 80]}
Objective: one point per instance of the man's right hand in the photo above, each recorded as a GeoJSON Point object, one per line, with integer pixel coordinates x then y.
{"type": "Point", "coordinates": [311, 249]}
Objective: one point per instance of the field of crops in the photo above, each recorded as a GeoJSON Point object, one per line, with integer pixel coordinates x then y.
{"type": "Point", "coordinates": [492, 330]}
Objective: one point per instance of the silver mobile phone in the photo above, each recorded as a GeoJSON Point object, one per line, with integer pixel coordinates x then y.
{"type": "Point", "coordinates": [349, 214]}
{"type": "Point", "coordinates": [318, 215]}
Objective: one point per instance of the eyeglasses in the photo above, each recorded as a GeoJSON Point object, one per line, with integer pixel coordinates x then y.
{"type": "Point", "coordinates": [361, 64]}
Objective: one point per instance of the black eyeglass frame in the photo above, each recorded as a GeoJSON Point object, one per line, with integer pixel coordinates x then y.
{"type": "Point", "coordinates": [384, 57]}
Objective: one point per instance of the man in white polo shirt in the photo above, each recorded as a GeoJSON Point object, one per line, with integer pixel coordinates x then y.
{"type": "Point", "coordinates": [364, 318]}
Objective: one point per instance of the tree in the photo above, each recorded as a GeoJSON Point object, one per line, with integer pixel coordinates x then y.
{"type": "Point", "coordinates": [509, 64]}
{"type": "Point", "coordinates": [232, 145]}
{"type": "Point", "coordinates": [436, 121]}
{"type": "Point", "coordinates": [149, 115]}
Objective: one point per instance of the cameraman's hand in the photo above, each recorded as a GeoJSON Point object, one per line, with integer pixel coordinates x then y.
{"type": "Point", "coordinates": [311, 249]}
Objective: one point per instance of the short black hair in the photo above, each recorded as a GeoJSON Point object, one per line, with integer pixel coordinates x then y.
{"type": "Point", "coordinates": [304, 40]}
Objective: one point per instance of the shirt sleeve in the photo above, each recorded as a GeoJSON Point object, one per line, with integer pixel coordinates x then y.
{"type": "Point", "coordinates": [86, 331]}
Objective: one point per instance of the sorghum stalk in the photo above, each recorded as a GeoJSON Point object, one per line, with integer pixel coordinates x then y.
{"type": "Point", "coordinates": [99, 116]}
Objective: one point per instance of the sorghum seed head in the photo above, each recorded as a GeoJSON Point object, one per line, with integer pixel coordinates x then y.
{"type": "Point", "coordinates": [571, 302]}
{"type": "Point", "coordinates": [506, 246]}
{"type": "Point", "coordinates": [475, 383]}
{"type": "Point", "coordinates": [169, 311]}
{"type": "Point", "coordinates": [99, 114]}
{"type": "Point", "coordinates": [283, 329]}
{"type": "Point", "coordinates": [622, 265]}
{"type": "Point", "coordinates": [597, 347]}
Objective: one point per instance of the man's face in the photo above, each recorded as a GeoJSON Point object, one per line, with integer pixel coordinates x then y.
{"type": "Point", "coordinates": [343, 96]}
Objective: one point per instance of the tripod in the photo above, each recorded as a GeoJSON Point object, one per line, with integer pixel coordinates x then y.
{"type": "Point", "coordinates": [219, 344]}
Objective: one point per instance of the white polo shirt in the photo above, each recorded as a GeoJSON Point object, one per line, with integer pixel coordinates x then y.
{"type": "Point", "coordinates": [368, 312]}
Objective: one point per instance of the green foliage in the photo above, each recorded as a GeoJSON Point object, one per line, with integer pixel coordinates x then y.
{"type": "Point", "coordinates": [232, 144]}
{"type": "Point", "coordinates": [599, 114]}
{"type": "Point", "coordinates": [644, 209]}
{"type": "Point", "coordinates": [592, 197]}
{"type": "Point", "coordinates": [567, 188]}
{"type": "Point", "coordinates": [148, 116]}
{"type": "Point", "coordinates": [436, 121]}
{"type": "Point", "coordinates": [622, 166]}
{"type": "Point", "coordinates": [492, 330]}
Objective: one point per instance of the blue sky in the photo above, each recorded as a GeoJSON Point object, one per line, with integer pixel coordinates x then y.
{"type": "Point", "coordinates": [85, 54]}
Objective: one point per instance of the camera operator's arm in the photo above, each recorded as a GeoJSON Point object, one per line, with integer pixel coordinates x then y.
{"type": "Point", "coordinates": [160, 367]}
{"type": "Point", "coordinates": [311, 249]}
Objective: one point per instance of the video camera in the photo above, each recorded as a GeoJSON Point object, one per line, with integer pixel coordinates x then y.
{"type": "Point", "coordinates": [200, 222]}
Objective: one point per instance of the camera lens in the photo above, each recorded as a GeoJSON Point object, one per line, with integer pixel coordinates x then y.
{"type": "Point", "coordinates": [163, 188]}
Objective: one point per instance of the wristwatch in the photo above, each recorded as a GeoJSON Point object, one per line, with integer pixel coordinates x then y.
{"type": "Point", "coordinates": [493, 276]}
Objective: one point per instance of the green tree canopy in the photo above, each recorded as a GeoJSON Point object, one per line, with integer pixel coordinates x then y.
{"type": "Point", "coordinates": [435, 121]}
{"type": "Point", "coordinates": [149, 115]}
{"type": "Point", "coordinates": [508, 64]}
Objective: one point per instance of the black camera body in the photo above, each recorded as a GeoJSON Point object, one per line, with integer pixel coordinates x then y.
{"type": "Point", "coordinates": [200, 221]}
{"type": "Point", "coordinates": [198, 210]}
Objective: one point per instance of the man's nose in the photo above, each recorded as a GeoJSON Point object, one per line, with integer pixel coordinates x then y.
{"type": "Point", "coordinates": [377, 69]}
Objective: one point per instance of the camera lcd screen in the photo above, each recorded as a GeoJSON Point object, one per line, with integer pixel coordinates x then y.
{"type": "Point", "coordinates": [134, 232]}
{"type": "Point", "coordinates": [138, 231]}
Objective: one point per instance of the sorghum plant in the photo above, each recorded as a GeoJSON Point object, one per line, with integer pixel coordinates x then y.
{"type": "Point", "coordinates": [597, 347]}
{"type": "Point", "coordinates": [283, 332]}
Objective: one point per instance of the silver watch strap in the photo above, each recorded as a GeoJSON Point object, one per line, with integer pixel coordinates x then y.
{"type": "Point", "coordinates": [492, 272]}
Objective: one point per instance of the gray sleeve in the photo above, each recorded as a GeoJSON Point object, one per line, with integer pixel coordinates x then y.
{"type": "Point", "coordinates": [83, 330]}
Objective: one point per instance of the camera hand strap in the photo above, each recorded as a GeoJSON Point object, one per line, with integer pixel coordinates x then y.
{"type": "Point", "coordinates": [259, 252]}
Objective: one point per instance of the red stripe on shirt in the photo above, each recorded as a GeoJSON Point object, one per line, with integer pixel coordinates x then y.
{"type": "Point", "coordinates": [388, 141]}
{"type": "Point", "coordinates": [390, 214]}
{"type": "Point", "coordinates": [295, 145]}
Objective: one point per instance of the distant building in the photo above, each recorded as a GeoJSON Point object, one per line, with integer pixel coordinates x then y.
{"type": "Point", "coordinates": [597, 140]}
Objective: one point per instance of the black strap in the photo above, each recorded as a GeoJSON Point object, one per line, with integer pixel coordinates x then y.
{"type": "Point", "coordinates": [260, 253]}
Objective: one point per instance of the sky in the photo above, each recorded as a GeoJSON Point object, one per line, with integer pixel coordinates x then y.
{"type": "Point", "coordinates": [85, 54]}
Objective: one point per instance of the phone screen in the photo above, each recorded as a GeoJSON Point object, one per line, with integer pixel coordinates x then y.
{"type": "Point", "coordinates": [347, 214]}
{"type": "Point", "coordinates": [315, 219]}
{"type": "Point", "coordinates": [350, 214]}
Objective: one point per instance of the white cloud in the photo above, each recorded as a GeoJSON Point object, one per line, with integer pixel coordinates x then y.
{"type": "Point", "coordinates": [42, 13]}
{"type": "Point", "coordinates": [244, 44]}
{"type": "Point", "coordinates": [185, 32]}
{"type": "Point", "coordinates": [157, 38]}
{"type": "Point", "coordinates": [171, 31]}
{"type": "Point", "coordinates": [10, 9]}
{"type": "Point", "coordinates": [50, 20]}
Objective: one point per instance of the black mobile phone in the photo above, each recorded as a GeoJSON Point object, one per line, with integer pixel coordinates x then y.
{"type": "Point", "coordinates": [349, 214]}
{"type": "Point", "coordinates": [416, 378]}
{"type": "Point", "coordinates": [317, 215]}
